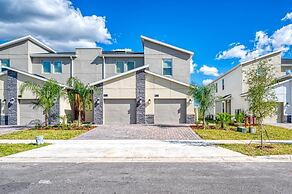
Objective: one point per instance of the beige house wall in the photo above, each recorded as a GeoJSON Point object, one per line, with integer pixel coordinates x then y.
{"type": "Point", "coordinates": [65, 107]}
{"type": "Point", "coordinates": [121, 88]}
{"type": "Point", "coordinates": [166, 90]}
{"type": "Point", "coordinates": [232, 85]}
{"type": "Point", "coordinates": [154, 55]}
{"type": "Point", "coordinates": [274, 59]}
{"type": "Point", "coordinates": [37, 68]}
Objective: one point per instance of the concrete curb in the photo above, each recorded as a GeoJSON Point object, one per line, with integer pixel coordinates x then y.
{"type": "Point", "coordinates": [207, 142]}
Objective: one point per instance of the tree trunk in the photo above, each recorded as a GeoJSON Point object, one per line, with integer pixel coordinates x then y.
{"type": "Point", "coordinates": [46, 118]}
{"type": "Point", "coordinates": [204, 121]}
{"type": "Point", "coordinates": [262, 135]}
{"type": "Point", "coordinates": [79, 118]}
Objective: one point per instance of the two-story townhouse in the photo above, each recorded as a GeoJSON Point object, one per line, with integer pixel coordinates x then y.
{"type": "Point", "coordinates": [135, 87]}
{"type": "Point", "coordinates": [231, 88]}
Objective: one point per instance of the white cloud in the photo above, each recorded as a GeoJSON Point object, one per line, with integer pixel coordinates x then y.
{"type": "Point", "coordinates": [55, 22]}
{"type": "Point", "coordinates": [206, 70]}
{"type": "Point", "coordinates": [288, 16]}
{"type": "Point", "coordinates": [206, 81]}
{"type": "Point", "coordinates": [123, 49]}
{"type": "Point", "coordinates": [263, 44]}
{"type": "Point", "coordinates": [192, 67]}
{"type": "Point", "coordinates": [238, 51]}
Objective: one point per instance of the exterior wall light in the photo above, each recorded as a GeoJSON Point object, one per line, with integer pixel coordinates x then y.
{"type": "Point", "coordinates": [190, 101]}
{"type": "Point", "coordinates": [149, 101]}
{"type": "Point", "coordinates": [11, 102]}
{"type": "Point", "coordinates": [96, 103]}
{"type": "Point", "coordinates": [139, 102]}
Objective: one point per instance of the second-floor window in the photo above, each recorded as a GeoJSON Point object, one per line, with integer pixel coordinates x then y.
{"type": "Point", "coordinates": [58, 67]}
{"type": "Point", "coordinates": [46, 67]}
{"type": "Point", "coordinates": [167, 67]}
{"type": "Point", "coordinates": [120, 67]}
{"type": "Point", "coordinates": [130, 65]}
{"type": "Point", "coordinates": [216, 87]}
{"type": "Point", "coordinates": [223, 86]}
{"type": "Point", "coordinates": [5, 62]}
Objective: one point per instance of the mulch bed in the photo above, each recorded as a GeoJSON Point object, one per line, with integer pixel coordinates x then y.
{"type": "Point", "coordinates": [66, 127]}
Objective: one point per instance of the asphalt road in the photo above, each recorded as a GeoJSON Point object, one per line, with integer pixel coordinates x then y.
{"type": "Point", "coordinates": [146, 178]}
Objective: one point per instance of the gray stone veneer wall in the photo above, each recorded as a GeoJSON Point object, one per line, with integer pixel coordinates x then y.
{"type": "Point", "coordinates": [190, 119]}
{"type": "Point", "coordinates": [149, 119]}
{"type": "Point", "coordinates": [11, 97]}
{"type": "Point", "coordinates": [98, 106]}
{"type": "Point", "coordinates": [4, 120]}
{"type": "Point", "coordinates": [140, 97]}
{"type": "Point", "coordinates": [54, 118]}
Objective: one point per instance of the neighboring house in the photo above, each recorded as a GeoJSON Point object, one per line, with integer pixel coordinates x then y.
{"type": "Point", "coordinates": [231, 88]}
{"type": "Point", "coordinates": [136, 87]}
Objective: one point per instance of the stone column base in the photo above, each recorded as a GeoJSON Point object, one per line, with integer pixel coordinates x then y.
{"type": "Point", "coordinates": [149, 119]}
{"type": "Point", "coordinates": [190, 119]}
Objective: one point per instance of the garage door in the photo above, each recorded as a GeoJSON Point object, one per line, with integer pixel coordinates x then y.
{"type": "Point", "coordinates": [170, 111]}
{"type": "Point", "coordinates": [29, 115]}
{"type": "Point", "coordinates": [119, 111]}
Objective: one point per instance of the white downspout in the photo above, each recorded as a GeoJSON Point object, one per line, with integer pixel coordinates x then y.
{"type": "Point", "coordinates": [72, 67]}
{"type": "Point", "coordinates": [103, 67]}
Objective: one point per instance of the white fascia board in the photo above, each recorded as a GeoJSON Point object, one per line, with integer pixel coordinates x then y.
{"type": "Point", "coordinates": [31, 38]}
{"type": "Point", "coordinates": [246, 62]}
{"type": "Point", "coordinates": [166, 45]}
{"type": "Point", "coordinates": [167, 78]}
{"type": "Point", "coordinates": [31, 75]}
{"type": "Point", "coordinates": [40, 55]}
{"type": "Point", "coordinates": [119, 75]}
{"type": "Point", "coordinates": [123, 55]}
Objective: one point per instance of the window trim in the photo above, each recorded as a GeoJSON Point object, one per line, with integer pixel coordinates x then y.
{"type": "Point", "coordinates": [43, 72]}
{"type": "Point", "coordinates": [131, 62]}
{"type": "Point", "coordinates": [216, 87]}
{"type": "Point", "coordinates": [171, 66]}
{"type": "Point", "coordinates": [116, 66]}
{"type": "Point", "coordinates": [61, 67]}
{"type": "Point", "coordinates": [223, 84]}
{"type": "Point", "coordinates": [223, 107]}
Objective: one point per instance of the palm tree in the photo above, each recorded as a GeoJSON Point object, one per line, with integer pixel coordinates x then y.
{"type": "Point", "coordinates": [80, 95]}
{"type": "Point", "coordinates": [205, 96]}
{"type": "Point", "coordinates": [47, 95]}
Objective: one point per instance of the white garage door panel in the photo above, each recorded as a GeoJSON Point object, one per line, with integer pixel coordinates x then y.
{"type": "Point", "coordinates": [170, 111]}
{"type": "Point", "coordinates": [118, 111]}
{"type": "Point", "coordinates": [28, 114]}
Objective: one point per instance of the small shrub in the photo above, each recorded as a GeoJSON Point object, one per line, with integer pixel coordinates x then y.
{"type": "Point", "coordinates": [224, 119]}
{"type": "Point", "coordinates": [239, 117]}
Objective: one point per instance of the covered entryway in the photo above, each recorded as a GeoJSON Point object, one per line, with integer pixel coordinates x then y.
{"type": "Point", "coordinates": [170, 111]}
{"type": "Point", "coordinates": [30, 115]}
{"type": "Point", "coordinates": [120, 111]}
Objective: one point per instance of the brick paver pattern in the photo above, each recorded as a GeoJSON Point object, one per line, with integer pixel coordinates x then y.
{"type": "Point", "coordinates": [106, 132]}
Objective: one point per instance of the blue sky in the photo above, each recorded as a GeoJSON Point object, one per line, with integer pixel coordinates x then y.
{"type": "Point", "coordinates": [204, 27]}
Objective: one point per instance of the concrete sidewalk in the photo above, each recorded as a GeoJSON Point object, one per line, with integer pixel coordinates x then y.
{"type": "Point", "coordinates": [206, 142]}
{"type": "Point", "coordinates": [78, 151]}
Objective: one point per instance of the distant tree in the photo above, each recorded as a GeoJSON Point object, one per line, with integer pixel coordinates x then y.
{"type": "Point", "coordinates": [205, 96]}
{"type": "Point", "coordinates": [80, 95]}
{"type": "Point", "coordinates": [47, 95]}
{"type": "Point", "coordinates": [261, 96]}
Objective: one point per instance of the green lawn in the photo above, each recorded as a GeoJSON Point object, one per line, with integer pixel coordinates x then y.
{"type": "Point", "coordinates": [8, 149]}
{"type": "Point", "coordinates": [48, 134]}
{"type": "Point", "coordinates": [254, 150]}
{"type": "Point", "coordinates": [275, 133]}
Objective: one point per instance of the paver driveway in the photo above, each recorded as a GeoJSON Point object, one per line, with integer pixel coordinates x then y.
{"type": "Point", "coordinates": [140, 132]}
